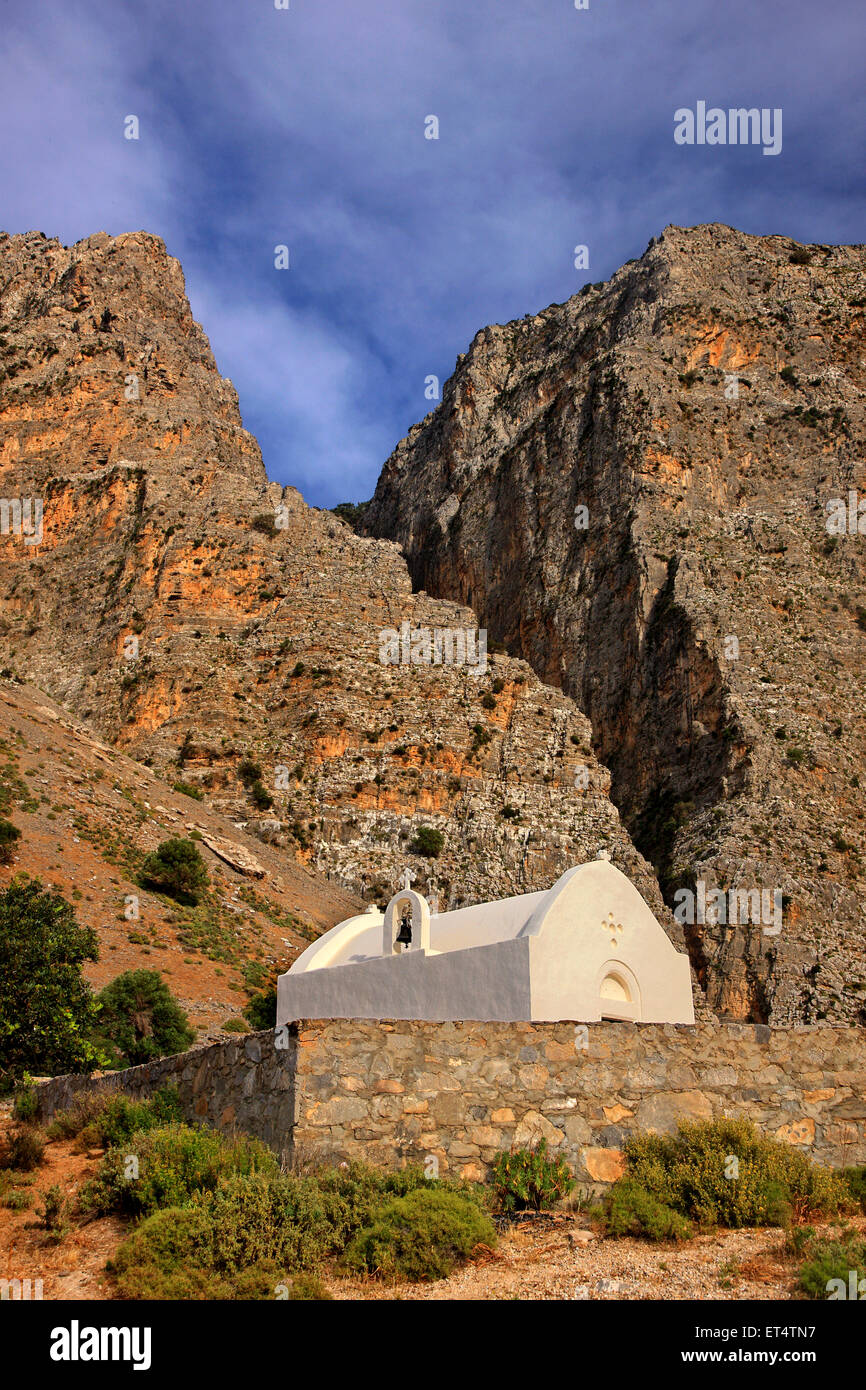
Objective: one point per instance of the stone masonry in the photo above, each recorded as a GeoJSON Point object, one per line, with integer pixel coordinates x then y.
{"type": "Point", "coordinates": [395, 1092]}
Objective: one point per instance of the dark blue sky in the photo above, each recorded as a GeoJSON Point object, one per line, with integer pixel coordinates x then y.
{"type": "Point", "coordinates": [305, 127]}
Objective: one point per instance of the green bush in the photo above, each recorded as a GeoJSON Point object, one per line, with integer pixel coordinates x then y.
{"type": "Point", "coordinates": [279, 1219]}
{"type": "Point", "coordinates": [262, 799]}
{"type": "Point", "coordinates": [26, 1102]}
{"type": "Point", "coordinates": [9, 837]}
{"type": "Point", "coordinates": [140, 1020]}
{"type": "Point", "coordinates": [428, 841]}
{"type": "Point", "coordinates": [249, 771]}
{"type": "Point", "coordinates": [166, 1257]}
{"type": "Point", "coordinates": [421, 1236]}
{"type": "Point", "coordinates": [47, 1009]}
{"type": "Point", "coordinates": [530, 1179]}
{"type": "Point", "coordinates": [121, 1117]}
{"type": "Point", "coordinates": [54, 1213]}
{"type": "Point", "coordinates": [173, 1163]}
{"type": "Point", "coordinates": [628, 1209]}
{"type": "Point", "coordinates": [218, 1228]}
{"type": "Point", "coordinates": [175, 868]}
{"type": "Point", "coordinates": [188, 789]}
{"type": "Point", "coordinates": [24, 1149]}
{"type": "Point", "coordinates": [856, 1180]}
{"type": "Point", "coordinates": [308, 1287]}
{"type": "Point", "coordinates": [356, 1192]}
{"type": "Point", "coordinates": [686, 1172]}
{"type": "Point", "coordinates": [832, 1258]}
{"type": "Point", "coordinates": [244, 1239]}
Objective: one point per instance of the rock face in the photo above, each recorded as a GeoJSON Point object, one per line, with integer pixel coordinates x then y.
{"type": "Point", "coordinates": [212, 625]}
{"type": "Point", "coordinates": [631, 490]}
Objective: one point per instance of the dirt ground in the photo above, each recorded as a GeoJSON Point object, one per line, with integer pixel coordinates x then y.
{"type": "Point", "coordinates": [548, 1256]}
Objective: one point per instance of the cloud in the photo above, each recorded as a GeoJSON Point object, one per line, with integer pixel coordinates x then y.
{"type": "Point", "coordinates": [306, 127]}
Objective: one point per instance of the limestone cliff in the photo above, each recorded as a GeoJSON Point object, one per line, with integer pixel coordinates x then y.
{"type": "Point", "coordinates": [703, 406]}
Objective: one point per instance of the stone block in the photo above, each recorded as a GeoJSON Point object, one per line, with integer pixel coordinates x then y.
{"type": "Point", "coordinates": [797, 1131]}
{"type": "Point", "coordinates": [661, 1112]}
{"type": "Point", "coordinates": [604, 1165]}
{"type": "Point", "coordinates": [533, 1126]}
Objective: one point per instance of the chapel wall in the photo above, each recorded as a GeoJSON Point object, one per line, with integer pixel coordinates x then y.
{"type": "Point", "coordinates": [391, 1092]}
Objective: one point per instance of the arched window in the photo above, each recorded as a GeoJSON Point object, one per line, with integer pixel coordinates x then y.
{"type": "Point", "coordinates": [613, 987]}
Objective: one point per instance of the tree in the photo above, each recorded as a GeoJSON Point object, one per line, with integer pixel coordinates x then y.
{"type": "Point", "coordinates": [47, 1008]}
{"type": "Point", "coordinates": [140, 1019]}
{"type": "Point", "coordinates": [175, 868]}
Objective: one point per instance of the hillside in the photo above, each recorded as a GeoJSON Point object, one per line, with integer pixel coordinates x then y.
{"type": "Point", "coordinates": [88, 815]}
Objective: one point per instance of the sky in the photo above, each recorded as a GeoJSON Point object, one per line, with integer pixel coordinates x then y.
{"type": "Point", "coordinates": [306, 127]}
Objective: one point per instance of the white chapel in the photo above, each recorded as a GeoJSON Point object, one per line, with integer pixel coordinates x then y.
{"type": "Point", "coordinates": [586, 949]}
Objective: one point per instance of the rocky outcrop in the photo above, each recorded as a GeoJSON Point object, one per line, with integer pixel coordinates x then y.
{"type": "Point", "coordinates": [630, 489]}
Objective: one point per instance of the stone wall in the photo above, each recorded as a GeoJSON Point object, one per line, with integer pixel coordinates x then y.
{"type": "Point", "coordinates": [394, 1092]}
{"type": "Point", "coordinates": [246, 1083]}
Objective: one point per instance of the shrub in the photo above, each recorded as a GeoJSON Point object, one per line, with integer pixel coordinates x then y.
{"type": "Point", "coordinates": [529, 1179]}
{"type": "Point", "coordinates": [856, 1180]}
{"type": "Point", "coordinates": [829, 1259]}
{"type": "Point", "coordinates": [47, 1009]}
{"type": "Point", "coordinates": [117, 1117]}
{"type": "Point", "coordinates": [9, 836]}
{"type": "Point", "coordinates": [308, 1287]}
{"type": "Point", "coordinates": [262, 800]}
{"type": "Point", "coordinates": [423, 1235]}
{"type": "Point", "coordinates": [236, 1025]}
{"type": "Point", "coordinates": [278, 1218]}
{"type": "Point", "coordinates": [82, 1113]}
{"type": "Point", "coordinates": [774, 1183]}
{"type": "Point", "coordinates": [240, 1240]}
{"type": "Point", "coordinates": [24, 1149]}
{"type": "Point", "coordinates": [175, 868]}
{"type": "Point", "coordinates": [163, 1259]}
{"type": "Point", "coordinates": [54, 1213]}
{"type": "Point", "coordinates": [16, 1200]}
{"type": "Point", "coordinates": [428, 841]}
{"type": "Point", "coordinates": [261, 1010]}
{"type": "Point", "coordinates": [249, 771]}
{"type": "Point", "coordinates": [26, 1103]}
{"type": "Point", "coordinates": [357, 1191]}
{"type": "Point", "coordinates": [264, 522]}
{"type": "Point", "coordinates": [174, 1162]}
{"type": "Point", "coordinates": [628, 1209]}
{"type": "Point", "coordinates": [189, 789]}
{"type": "Point", "coordinates": [140, 1020]}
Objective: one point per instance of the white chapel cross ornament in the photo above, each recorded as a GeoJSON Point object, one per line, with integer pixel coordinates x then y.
{"type": "Point", "coordinates": [611, 926]}
{"type": "Point", "coordinates": [407, 879]}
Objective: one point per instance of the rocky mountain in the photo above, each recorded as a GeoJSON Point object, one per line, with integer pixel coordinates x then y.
{"type": "Point", "coordinates": [214, 629]}
{"type": "Point", "coordinates": [654, 494]}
